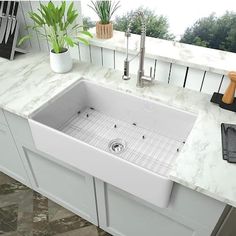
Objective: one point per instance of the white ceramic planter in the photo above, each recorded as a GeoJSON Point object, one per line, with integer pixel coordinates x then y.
{"type": "Point", "coordinates": [61, 62]}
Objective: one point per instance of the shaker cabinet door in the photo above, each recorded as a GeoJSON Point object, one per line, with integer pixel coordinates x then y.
{"type": "Point", "coordinates": [69, 187]}
{"type": "Point", "coordinates": [10, 160]}
{"type": "Point", "coordinates": [121, 213]}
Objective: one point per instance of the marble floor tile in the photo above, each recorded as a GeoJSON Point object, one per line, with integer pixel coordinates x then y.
{"type": "Point", "coordinates": [5, 179]}
{"type": "Point", "coordinates": [56, 212]}
{"type": "Point", "coordinates": [67, 224]}
{"type": "Point", "coordinates": [86, 231]}
{"type": "Point", "coordinates": [15, 233]}
{"type": "Point", "coordinates": [102, 233]}
{"type": "Point", "coordinates": [25, 223]}
{"type": "Point", "coordinates": [9, 188]}
{"type": "Point", "coordinates": [8, 218]}
{"type": "Point", "coordinates": [40, 215]}
{"type": "Point", "coordinates": [24, 212]}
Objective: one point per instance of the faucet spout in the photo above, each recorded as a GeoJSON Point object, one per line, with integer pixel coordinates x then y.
{"type": "Point", "coordinates": [140, 75]}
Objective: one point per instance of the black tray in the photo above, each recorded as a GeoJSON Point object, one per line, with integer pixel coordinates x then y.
{"type": "Point", "coordinates": [217, 98]}
{"type": "Point", "coordinates": [228, 134]}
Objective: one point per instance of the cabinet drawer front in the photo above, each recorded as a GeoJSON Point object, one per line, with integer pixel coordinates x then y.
{"type": "Point", "coordinates": [73, 190]}
{"type": "Point", "coordinates": [2, 118]}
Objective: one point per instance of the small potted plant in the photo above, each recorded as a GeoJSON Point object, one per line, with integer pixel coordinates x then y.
{"type": "Point", "coordinates": [104, 10]}
{"type": "Point", "coordinates": [59, 27]}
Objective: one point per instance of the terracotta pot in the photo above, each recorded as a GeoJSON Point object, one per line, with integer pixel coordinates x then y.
{"type": "Point", "coordinates": [61, 62]}
{"type": "Point", "coordinates": [104, 31]}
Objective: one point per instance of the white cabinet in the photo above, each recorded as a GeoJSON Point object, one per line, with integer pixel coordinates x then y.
{"type": "Point", "coordinates": [121, 213]}
{"type": "Point", "coordinates": [10, 160]}
{"type": "Point", "coordinates": [57, 180]}
{"type": "Point", "coordinates": [68, 187]}
{"type": "Point", "coordinates": [2, 118]}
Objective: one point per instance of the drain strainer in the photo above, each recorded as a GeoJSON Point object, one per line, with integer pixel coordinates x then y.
{"type": "Point", "coordinates": [117, 146]}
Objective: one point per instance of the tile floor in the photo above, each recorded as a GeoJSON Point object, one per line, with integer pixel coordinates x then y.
{"type": "Point", "coordinates": [24, 212]}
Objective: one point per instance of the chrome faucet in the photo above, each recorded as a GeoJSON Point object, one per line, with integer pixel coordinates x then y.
{"type": "Point", "coordinates": [141, 77]}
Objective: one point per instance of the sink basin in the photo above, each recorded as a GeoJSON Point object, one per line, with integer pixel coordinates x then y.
{"type": "Point", "coordinates": [124, 140]}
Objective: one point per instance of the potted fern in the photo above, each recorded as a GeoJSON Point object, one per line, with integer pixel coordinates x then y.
{"type": "Point", "coordinates": [59, 27]}
{"type": "Point", "coordinates": [104, 10]}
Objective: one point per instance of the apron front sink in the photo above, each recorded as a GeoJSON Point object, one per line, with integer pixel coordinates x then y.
{"type": "Point", "coordinates": [124, 140]}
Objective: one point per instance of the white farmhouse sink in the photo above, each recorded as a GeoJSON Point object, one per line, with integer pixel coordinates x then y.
{"type": "Point", "coordinates": [121, 139]}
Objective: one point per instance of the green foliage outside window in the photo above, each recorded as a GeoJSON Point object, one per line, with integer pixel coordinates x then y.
{"type": "Point", "coordinates": [157, 26]}
{"type": "Point", "coordinates": [213, 32]}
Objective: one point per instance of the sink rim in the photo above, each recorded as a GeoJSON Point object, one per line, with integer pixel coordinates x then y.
{"type": "Point", "coordinates": [120, 90]}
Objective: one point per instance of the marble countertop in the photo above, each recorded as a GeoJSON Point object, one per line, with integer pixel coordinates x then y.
{"type": "Point", "coordinates": [27, 83]}
{"type": "Point", "coordinates": [207, 59]}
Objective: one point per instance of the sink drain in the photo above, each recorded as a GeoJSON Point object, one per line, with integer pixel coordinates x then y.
{"type": "Point", "coordinates": [117, 146]}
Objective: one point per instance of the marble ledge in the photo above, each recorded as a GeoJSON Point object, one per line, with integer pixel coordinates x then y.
{"type": "Point", "coordinates": [212, 60]}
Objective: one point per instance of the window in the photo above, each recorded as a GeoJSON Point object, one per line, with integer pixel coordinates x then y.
{"type": "Point", "coordinates": [204, 23]}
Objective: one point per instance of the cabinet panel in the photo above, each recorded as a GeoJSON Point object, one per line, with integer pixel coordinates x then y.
{"type": "Point", "coordinates": [10, 161]}
{"type": "Point", "coordinates": [20, 130]}
{"type": "Point", "coordinates": [121, 213]}
{"type": "Point", "coordinates": [192, 205]}
{"type": "Point", "coordinates": [2, 118]}
{"type": "Point", "coordinates": [124, 216]}
{"type": "Point", "coordinates": [71, 189]}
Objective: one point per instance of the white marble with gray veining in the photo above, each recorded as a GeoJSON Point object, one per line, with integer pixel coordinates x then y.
{"type": "Point", "coordinates": [207, 59]}
{"type": "Point", "coordinates": [27, 83]}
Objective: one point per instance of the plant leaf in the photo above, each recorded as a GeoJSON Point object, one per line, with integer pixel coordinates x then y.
{"type": "Point", "coordinates": [104, 9]}
{"type": "Point", "coordinates": [57, 24]}
{"type": "Point", "coordinates": [55, 46]}
{"type": "Point", "coordinates": [86, 33]}
{"type": "Point", "coordinates": [82, 40]}
{"type": "Point", "coordinates": [23, 39]}
{"type": "Point", "coordinates": [69, 41]}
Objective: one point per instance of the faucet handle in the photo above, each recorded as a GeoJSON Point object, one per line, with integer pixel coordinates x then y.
{"type": "Point", "coordinates": [151, 71]}
{"type": "Point", "coordinates": [152, 76]}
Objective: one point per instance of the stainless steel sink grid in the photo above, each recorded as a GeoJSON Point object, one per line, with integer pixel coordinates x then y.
{"type": "Point", "coordinates": [143, 147]}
